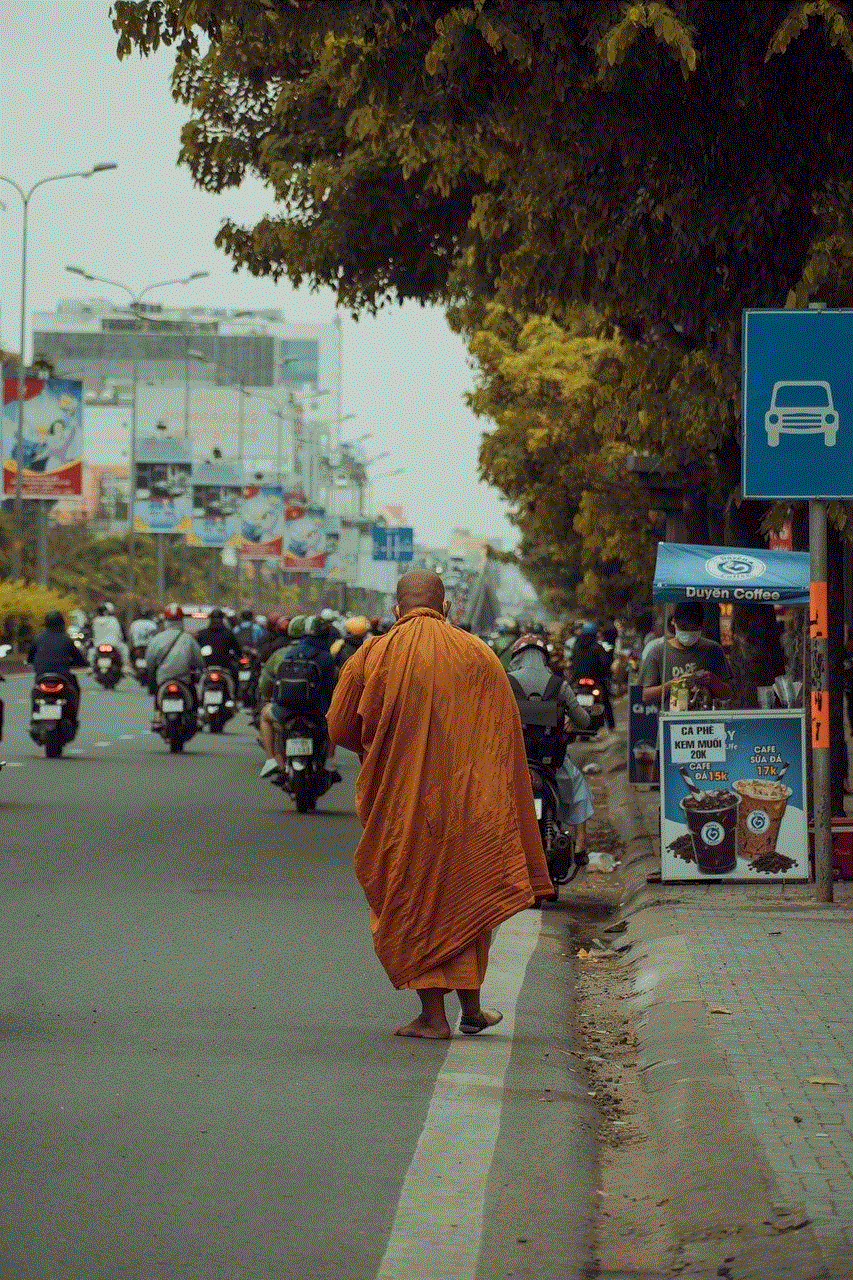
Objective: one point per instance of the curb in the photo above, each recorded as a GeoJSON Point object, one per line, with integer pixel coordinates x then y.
{"type": "Point", "coordinates": [728, 1216]}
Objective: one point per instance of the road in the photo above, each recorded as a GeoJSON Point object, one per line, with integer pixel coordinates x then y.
{"type": "Point", "coordinates": [199, 1077]}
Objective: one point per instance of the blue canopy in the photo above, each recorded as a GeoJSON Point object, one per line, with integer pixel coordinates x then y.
{"type": "Point", "coordinates": [730, 574]}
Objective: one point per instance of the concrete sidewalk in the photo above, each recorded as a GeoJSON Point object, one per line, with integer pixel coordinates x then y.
{"type": "Point", "coordinates": [744, 997]}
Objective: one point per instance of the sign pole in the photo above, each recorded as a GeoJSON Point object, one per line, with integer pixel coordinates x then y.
{"type": "Point", "coordinates": [819, 647]}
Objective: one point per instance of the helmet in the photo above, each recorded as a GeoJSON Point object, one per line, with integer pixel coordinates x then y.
{"type": "Point", "coordinates": [589, 629]}
{"type": "Point", "coordinates": [512, 626]}
{"type": "Point", "coordinates": [357, 626]}
{"type": "Point", "coordinates": [283, 626]}
{"type": "Point", "coordinates": [530, 642]}
{"type": "Point", "coordinates": [215, 615]}
{"type": "Point", "coordinates": [173, 612]}
{"type": "Point", "coordinates": [272, 621]}
{"type": "Point", "coordinates": [297, 628]}
{"type": "Point", "coordinates": [335, 646]}
{"type": "Point", "coordinates": [246, 615]}
{"type": "Point", "coordinates": [53, 618]}
{"type": "Point", "coordinates": [109, 606]}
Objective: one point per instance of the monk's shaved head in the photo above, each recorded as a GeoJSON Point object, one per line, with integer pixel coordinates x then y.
{"type": "Point", "coordinates": [420, 589]}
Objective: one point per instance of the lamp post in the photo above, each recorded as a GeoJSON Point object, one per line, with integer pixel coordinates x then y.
{"type": "Point", "coordinates": [17, 540]}
{"type": "Point", "coordinates": [135, 301]}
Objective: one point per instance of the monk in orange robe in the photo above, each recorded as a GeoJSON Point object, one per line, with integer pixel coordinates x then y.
{"type": "Point", "coordinates": [451, 845]}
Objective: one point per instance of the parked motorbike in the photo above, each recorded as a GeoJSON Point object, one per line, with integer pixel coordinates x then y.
{"type": "Point", "coordinates": [177, 704]}
{"type": "Point", "coordinates": [247, 678]}
{"type": "Point", "coordinates": [106, 665]}
{"type": "Point", "coordinates": [53, 721]}
{"type": "Point", "coordinates": [590, 697]}
{"type": "Point", "coordinates": [544, 742]}
{"type": "Point", "coordinates": [137, 663]}
{"type": "Point", "coordinates": [216, 705]}
{"type": "Point", "coordinates": [303, 747]}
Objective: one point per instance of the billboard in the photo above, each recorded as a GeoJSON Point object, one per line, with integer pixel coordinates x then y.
{"type": "Point", "coordinates": [266, 508]}
{"type": "Point", "coordinates": [162, 500]}
{"type": "Point", "coordinates": [52, 437]}
{"type": "Point", "coordinates": [305, 540]}
{"type": "Point", "coordinates": [217, 496]}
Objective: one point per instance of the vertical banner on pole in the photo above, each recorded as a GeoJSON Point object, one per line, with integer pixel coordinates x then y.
{"type": "Point", "coordinates": [217, 496]}
{"type": "Point", "coordinates": [162, 502]}
{"type": "Point", "coordinates": [52, 446]}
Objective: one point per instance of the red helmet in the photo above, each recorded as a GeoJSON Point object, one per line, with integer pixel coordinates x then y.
{"type": "Point", "coordinates": [173, 612]}
{"type": "Point", "coordinates": [272, 621]}
{"type": "Point", "coordinates": [530, 642]}
{"type": "Point", "coordinates": [283, 624]}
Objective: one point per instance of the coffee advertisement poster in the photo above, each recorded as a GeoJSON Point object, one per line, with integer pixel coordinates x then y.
{"type": "Point", "coordinates": [732, 796]}
{"type": "Point", "coordinates": [643, 768]}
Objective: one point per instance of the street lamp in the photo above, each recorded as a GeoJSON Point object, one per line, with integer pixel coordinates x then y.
{"type": "Point", "coordinates": [135, 301]}
{"type": "Point", "coordinates": [17, 541]}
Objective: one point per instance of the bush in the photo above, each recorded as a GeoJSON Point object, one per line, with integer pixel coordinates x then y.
{"type": "Point", "coordinates": [22, 609]}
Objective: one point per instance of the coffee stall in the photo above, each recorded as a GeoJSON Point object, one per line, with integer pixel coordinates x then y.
{"type": "Point", "coordinates": [733, 802]}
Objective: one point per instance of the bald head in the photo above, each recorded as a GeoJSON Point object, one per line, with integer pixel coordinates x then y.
{"type": "Point", "coordinates": [420, 589]}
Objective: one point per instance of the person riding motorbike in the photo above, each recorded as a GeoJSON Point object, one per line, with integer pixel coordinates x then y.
{"type": "Point", "coordinates": [507, 634]}
{"type": "Point", "coordinates": [173, 654]}
{"type": "Point", "coordinates": [53, 651]}
{"type": "Point", "coordinates": [106, 629]}
{"type": "Point", "coordinates": [529, 673]}
{"type": "Point", "coordinates": [224, 649]}
{"type": "Point", "coordinates": [355, 631]}
{"type": "Point", "coordinates": [248, 631]}
{"type": "Point", "coordinates": [589, 658]}
{"type": "Point", "coordinates": [312, 638]}
{"type": "Point", "coordinates": [141, 629]}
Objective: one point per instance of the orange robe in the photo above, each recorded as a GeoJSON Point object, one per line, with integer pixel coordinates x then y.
{"type": "Point", "coordinates": [451, 845]}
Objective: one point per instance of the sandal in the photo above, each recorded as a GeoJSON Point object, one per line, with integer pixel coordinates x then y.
{"type": "Point", "coordinates": [485, 1018]}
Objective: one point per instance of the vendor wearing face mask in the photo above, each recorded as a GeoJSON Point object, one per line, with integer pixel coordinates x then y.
{"type": "Point", "coordinates": [685, 654]}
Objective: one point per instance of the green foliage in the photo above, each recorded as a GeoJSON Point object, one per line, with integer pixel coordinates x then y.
{"type": "Point", "coordinates": [22, 609]}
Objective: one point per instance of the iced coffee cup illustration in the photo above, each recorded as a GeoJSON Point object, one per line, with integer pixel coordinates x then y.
{"type": "Point", "coordinates": [645, 762]}
{"type": "Point", "coordinates": [711, 818]}
{"type": "Point", "coordinates": [762, 808]}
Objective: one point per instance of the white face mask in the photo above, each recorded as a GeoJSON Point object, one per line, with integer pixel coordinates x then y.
{"type": "Point", "coordinates": [687, 638]}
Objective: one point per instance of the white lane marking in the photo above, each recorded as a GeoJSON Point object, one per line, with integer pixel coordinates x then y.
{"type": "Point", "coordinates": [14, 764]}
{"type": "Point", "coordinates": [128, 737]}
{"type": "Point", "coordinates": [439, 1221]}
{"type": "Point", "coordinates": [102, 744]}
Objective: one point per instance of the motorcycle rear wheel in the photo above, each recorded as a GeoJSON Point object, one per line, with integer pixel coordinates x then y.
{"type": "Point", "coordinates": [302, 792]}
{"type": "Point", "coordinates": [176, 737]}
{"type": "Point", "coordinates": [53, 743]}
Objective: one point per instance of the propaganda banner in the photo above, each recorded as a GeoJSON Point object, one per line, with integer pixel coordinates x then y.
{"type": "Point", "coordinates": [263, 522]}
{"type": "Point", "coordinates": [305, 543]}
{"type": "Point", "coordinates": [52, 437]}
{"type": "Point", "coordinates": [162, 500]}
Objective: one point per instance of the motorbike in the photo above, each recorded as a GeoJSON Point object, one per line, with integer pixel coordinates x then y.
{"type": "Point", "coordinates": [303, 747]}
{"type": "Point", "coordinates": [591, 699]}
{"type": "Point", "coordinates": [216, 705]}
{"type": "Point", "coordinates": [53, 722]}
{"type": "Point", "coordinates": [247, 678]}
{"type": "Point", "coordinates": [106, 665]}
{"type": "Point", "coordinates": [137, 663]}
{"type": "Point", "coordinates": [177, 705]}
{"type": "Point", "coordinates": [544, 738]}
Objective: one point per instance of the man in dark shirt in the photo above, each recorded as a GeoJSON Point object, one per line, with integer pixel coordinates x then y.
{"type": "Point", "coordinates": [53, 651]}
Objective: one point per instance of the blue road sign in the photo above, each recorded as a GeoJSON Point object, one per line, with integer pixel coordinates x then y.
{"type": "Point", "coordinates": [392, 543]}
{"type": "Point", "coordinates": [797, 404]}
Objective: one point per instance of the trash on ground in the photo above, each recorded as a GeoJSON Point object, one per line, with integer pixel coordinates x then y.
{"type": "Point", "coordinates": [592, 767]}
{"type": "Point", "coordinates": [823, 1080]}
{"type": "Point", "coordinates": [604, 862]}
{"type": "Point", "coordinates": [720, 1009]}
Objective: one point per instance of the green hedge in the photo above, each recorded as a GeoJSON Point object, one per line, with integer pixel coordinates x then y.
{"type": "Point", "coordinates": [22, 609]}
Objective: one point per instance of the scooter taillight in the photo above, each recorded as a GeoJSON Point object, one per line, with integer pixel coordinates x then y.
{"type": "Point", "coordinates": [213, 676]}
{"type": "Point", "coordinates": [173, 688]}
{"type": "Point", "coordinates": [105, 648]}
{"type": "Point", "coordinates": [244, 661]}
{"type": "Point", "coordinates": [45, 687]}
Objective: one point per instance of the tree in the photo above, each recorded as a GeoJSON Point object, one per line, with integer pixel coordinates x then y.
{"type": "Point", "coordinates": [667, 164]}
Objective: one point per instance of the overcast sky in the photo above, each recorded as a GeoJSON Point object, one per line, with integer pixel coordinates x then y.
{"type": "Point", "coordinates": [67, 103]}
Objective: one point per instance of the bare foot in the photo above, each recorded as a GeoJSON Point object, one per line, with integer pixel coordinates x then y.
{"type": "Point", "coordinates": [422, 1030]}
{"type": "Point", "coordinates": [472, 1024]}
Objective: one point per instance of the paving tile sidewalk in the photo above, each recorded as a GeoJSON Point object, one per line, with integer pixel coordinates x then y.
{"type": "Point", "coordinates": [781, 964]}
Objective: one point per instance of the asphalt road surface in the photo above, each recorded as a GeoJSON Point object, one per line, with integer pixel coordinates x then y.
{"type": "Point", "coordinates": [199, 1074]}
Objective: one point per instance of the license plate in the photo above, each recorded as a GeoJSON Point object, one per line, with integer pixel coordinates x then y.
{"type": "Point", "coordinates": [104, 664]}
{"type": "Point", "coordinates": [537, 805]}
{"type": "Point", "coordinates": [50, 711]}
{"type": "Point", "coordinates": [586, 699]}
{"type": "Point", "coordinates": [140, 664]}
{"type": "Point", "coordinates": [212, 699]}
{"type": "Point", "coordinates": [298, 747]}
{"type": "Point", "coordinates": [173, 704]}
{"type": "Point", "coordinates": [244, 675]}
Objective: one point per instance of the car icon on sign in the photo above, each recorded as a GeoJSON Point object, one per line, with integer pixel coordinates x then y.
{"type": "Point", "coordinates": [801, 408]}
